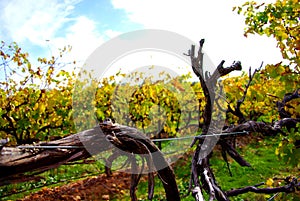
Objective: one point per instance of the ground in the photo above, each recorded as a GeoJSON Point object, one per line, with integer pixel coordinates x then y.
{"type": "Point", "coordinates": [94, 188]}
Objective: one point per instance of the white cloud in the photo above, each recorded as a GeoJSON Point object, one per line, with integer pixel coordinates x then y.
{"type": "Point", "coordinates": [213, 20]}
{"type": "Point", "coordinates": [82, 36]}
{"type": "Point", "coordinates": [48, 24]}
{"type": "Point", "coordinates": [111, 33]}
{"type": "Point", "coordinates": [35, 21]}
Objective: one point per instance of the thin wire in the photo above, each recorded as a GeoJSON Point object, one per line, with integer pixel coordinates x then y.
{"type": "Point", "coordinates": [200, 136]}
{"type": "Point", "coordinates": [153, 140]}
{"type": "Point", "coordinates": [272, 198]}
{"type": "Point", "coordinates": [174, 138]}
{"type": "Point", "coordinates": [222, 134]}
{"type": "Point", "coordinates": [48, 147]}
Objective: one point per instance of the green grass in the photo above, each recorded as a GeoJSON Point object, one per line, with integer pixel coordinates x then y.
{"type": "Point", "coordinates": [265, 164]}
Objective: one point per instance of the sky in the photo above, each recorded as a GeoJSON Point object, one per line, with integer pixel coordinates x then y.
{"type": "Point", "coordinates": [41, 27]}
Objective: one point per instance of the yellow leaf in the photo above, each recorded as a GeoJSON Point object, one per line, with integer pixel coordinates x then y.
{"type": "Point", "coordinates": [36, 106]}
{"type": "Point", "coordinates": [269, 182]}
{"type": "Point", "coordinates": [42, 107]}
{"type": "Point", "coordinates": [280, 69]}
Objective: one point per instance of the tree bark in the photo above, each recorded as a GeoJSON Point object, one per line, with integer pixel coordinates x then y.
{"type": "Point", "coordinates": [15, 162]}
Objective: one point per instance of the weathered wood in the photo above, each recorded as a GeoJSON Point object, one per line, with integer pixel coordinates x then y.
{"type": "Point", "coordinates": [290, 187]}
{"type": "Point", "coordinates": [14, 162]}
{"type": "Point", "coordinates": [200, 161]}
{"type": "Point", "coordinates": [131, 141]}
{"type": "Point", "coordinates": [281, 104]}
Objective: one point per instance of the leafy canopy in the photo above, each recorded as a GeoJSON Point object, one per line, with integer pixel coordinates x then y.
{"type": "Point", "coordinates": [279, 20]}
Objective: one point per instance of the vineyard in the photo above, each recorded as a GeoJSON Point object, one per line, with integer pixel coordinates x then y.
{"type": "Point", "coordinates": [259, 111]}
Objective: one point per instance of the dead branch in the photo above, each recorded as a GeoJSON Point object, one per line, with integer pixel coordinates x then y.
{"type": "Point", "coordinates": [131, 141]}
{"type": "Point", "coordinates": [262, 127]}
{"type": "Point", "coordinates": [237, 109]}
{"type": "Point", "coordinates": [281, 104]}
{"type": "Point", "coordinates": [15, 162]}
{"type": "Point", "coordinates": [288, 188]}
{"type": "Point", "coordinates": [200, 164]}
{"type": "Point", "coordinates": [231, 151]}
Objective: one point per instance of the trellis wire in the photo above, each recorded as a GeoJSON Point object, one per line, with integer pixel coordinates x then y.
{"type": "Point", "coordinates": [48, 147]}
{"type": "Point", "coordinates": [200, 136]}
{"type": "Point", "coordinates": [273, 197]}
{"type": "Point", "coordinates": [154, 140]}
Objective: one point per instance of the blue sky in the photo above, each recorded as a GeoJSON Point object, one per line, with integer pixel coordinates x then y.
{"type": "Point", "coordinates": [86, 24]}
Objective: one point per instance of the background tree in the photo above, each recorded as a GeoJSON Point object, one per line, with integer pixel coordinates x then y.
{"type": "Point", "coordinates": [35, 101]}
{"type": "Point", "coordinates": [279, 20]}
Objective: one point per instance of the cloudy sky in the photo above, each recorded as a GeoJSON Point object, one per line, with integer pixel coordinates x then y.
{"type": "Point", "coordinates": [40, 27]}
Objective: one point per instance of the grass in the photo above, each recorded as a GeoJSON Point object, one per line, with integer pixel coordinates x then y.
{"type": "Point", "coordinates": [265, 164]}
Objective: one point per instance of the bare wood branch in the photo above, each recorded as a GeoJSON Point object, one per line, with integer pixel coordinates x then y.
{"type": "Point", "coordinates": [200, 161]}
{"type": "Point", "coordinates": [237, 109]}
{"type": "Point", "coordinates": [130, 140]}
{"type": "Point", "coordinates": [210, 186]}
{"type": "Point", "coordinates": [281, 104]}
{"type": "Point", "coordinates": [262, 127]}
{"type": "Point", "coordinates": [14, 162]}
{"type": "Point", "coordinates": [289, 188]}
{"type": "Point", "coordinates": [196, 192]}
{"type": "Point", "coordinates": [233, 153]}
{"type": "Point", "coordinates": [150, 185]}
{"type": "Point", "coordinates": [134, 179]}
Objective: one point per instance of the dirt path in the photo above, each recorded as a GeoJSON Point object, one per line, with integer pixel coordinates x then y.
{"type": "Point", "coordinates": [93, 188]}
